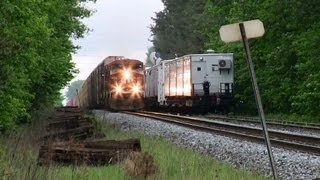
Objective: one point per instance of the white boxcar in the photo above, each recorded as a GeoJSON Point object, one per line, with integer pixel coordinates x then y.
{"type": "Point", "coordinates": [151, 82]}
{"type": "Point", "coordinates": [153, 85]}
{"type": "Point", "coordinates": [191, 81]}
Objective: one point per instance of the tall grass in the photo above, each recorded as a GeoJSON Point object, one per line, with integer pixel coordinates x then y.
{"type": "Point", "coordinates": [181, 163]}
{"type": "Point", "coordinates": [19, 151]}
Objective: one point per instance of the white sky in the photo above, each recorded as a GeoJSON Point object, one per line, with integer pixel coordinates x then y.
{"type": "Point", "coordinates": [119, 27]}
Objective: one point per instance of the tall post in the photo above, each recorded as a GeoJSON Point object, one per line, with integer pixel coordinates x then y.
{"type": "Point", "coordinates": [258, 98]}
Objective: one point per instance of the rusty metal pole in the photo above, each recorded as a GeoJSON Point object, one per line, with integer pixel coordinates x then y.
{"type": "Point", "coordinates": [258, 99]}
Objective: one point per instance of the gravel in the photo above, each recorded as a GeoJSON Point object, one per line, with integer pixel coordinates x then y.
{"type": "Point", "coordinates": [240, 153]}
{"type": "Point", "coordinates": [292, 130]}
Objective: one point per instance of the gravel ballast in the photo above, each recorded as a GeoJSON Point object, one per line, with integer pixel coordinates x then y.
{"type": "Point", "coordinates": [292, 130]}
{"type": "Point", "coordinates": [240, 153]}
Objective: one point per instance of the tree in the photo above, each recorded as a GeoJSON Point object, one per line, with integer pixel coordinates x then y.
{"type": "Point", "coordinates": [72, 89]}
{"type": "Point", "coordinates": [35, 51]}
{"type": "Point", "coordinates": [149, 62]}
{"type": "Point", "coordinates": [177, 28]}
{"type": "Point", "coordinates": [282, 57]}
{"type": "Point", "coordinates": [59, 101]}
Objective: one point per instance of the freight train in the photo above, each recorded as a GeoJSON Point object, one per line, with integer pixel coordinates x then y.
{"type": "Point", "coordinates": [117, 83]}
{"type": "Point", "coordinates": [192, 83]}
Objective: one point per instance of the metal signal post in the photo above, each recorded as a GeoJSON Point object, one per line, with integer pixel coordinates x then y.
{"type": "Point", "coordinates": [257, 97]}
{"type": "Point", "coordinates": [244, 31]}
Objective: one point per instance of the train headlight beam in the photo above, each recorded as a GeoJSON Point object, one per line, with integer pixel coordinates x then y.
{"type": "Point", "coordinates": [118, 89]}
{"type": "Point", "coordinates": [126, 74]}
{"type": "Point", "coordinates": [135, 89]}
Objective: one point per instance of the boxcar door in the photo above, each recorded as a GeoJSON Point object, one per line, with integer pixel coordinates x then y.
{"type": "Point", "coordinates": [199, 75]}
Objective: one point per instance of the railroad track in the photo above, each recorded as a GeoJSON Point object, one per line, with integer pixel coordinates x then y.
{"type": "Point", "coordinates": [309, 144]}
{"type": "Point", "coordinates": [281, 124]}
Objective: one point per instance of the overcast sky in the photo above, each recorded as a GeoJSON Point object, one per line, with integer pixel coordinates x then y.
{"type": "Point", "coordinates": [119, 27]}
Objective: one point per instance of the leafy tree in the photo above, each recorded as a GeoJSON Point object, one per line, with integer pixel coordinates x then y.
{"type": "Point", "coordinates": [307, 98]}
{"type": "Point", "coordinates": [72, 89]}
{"type": "Point", "coordinates": [59, 101]}
{"type": "Point", "coordinates": [177, 28]}
{"type": "Point", "coordinates": [35, 51]}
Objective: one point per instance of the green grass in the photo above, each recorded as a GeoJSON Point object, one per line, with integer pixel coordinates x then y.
{"type": "Point", "coordinates": [18, 156]}
{"type": "Point", "coordinates": [181, 163]}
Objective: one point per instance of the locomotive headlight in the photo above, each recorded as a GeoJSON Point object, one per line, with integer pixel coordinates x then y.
{"type": "Point", "coordinates": [135, 89]}
{"type": "Point", "coordinates": [126, 74]}
{"type": "Point", "coordinates": [118, 89]}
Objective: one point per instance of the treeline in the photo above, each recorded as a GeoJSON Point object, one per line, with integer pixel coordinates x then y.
{"type": "Point", "coordinates": [286, 59]}
{"type": "Point", "coordinates": [73, 88]}
{"type": "Point", "coordinates": [35, 54]}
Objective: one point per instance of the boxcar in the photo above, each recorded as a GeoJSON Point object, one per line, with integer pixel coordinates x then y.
{"type": "Point", "coordinates": [197, 82]}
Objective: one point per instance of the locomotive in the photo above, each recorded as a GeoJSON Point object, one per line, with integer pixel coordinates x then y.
{"type": "Point", "coordinates": [192, 83]}
{"type": "Point", "coordinates": [117, 83]}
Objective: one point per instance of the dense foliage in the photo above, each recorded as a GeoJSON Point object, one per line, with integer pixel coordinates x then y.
{"type": "Point", "coordinates": [177, 29]}
{"type": "Point", "coordinates": [286, 58]}
{"type": "Point", "coordinates": [35, 51]}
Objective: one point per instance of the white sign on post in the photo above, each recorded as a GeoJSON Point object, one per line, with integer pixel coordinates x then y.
{"type": "Point", "coordinates": [244, 31]}
{"type": "Point", "coordinates": [231, 32]}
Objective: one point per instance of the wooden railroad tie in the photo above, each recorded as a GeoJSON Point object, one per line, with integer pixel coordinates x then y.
{"type": "Point", "coordinates": [67, 141]}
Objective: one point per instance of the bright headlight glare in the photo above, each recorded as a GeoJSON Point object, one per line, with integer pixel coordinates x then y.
{"type": "Point", "coordinates": [118, 89]}
{"type": "Point", "coordinates": [135, 89]}
{"type": "Point", "coordinates": [126, 74]}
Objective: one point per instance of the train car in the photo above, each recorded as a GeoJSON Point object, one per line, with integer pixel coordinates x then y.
{"type": "Point", "coordinates": [117, 83]}
{"type": "Point", "coordinates": [197, 82]}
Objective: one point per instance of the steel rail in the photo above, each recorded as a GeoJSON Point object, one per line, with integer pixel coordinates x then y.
{"type": "Point", "coordinates": [300, 125]}
{"type": "Point", "coordinates": [280, 139]}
